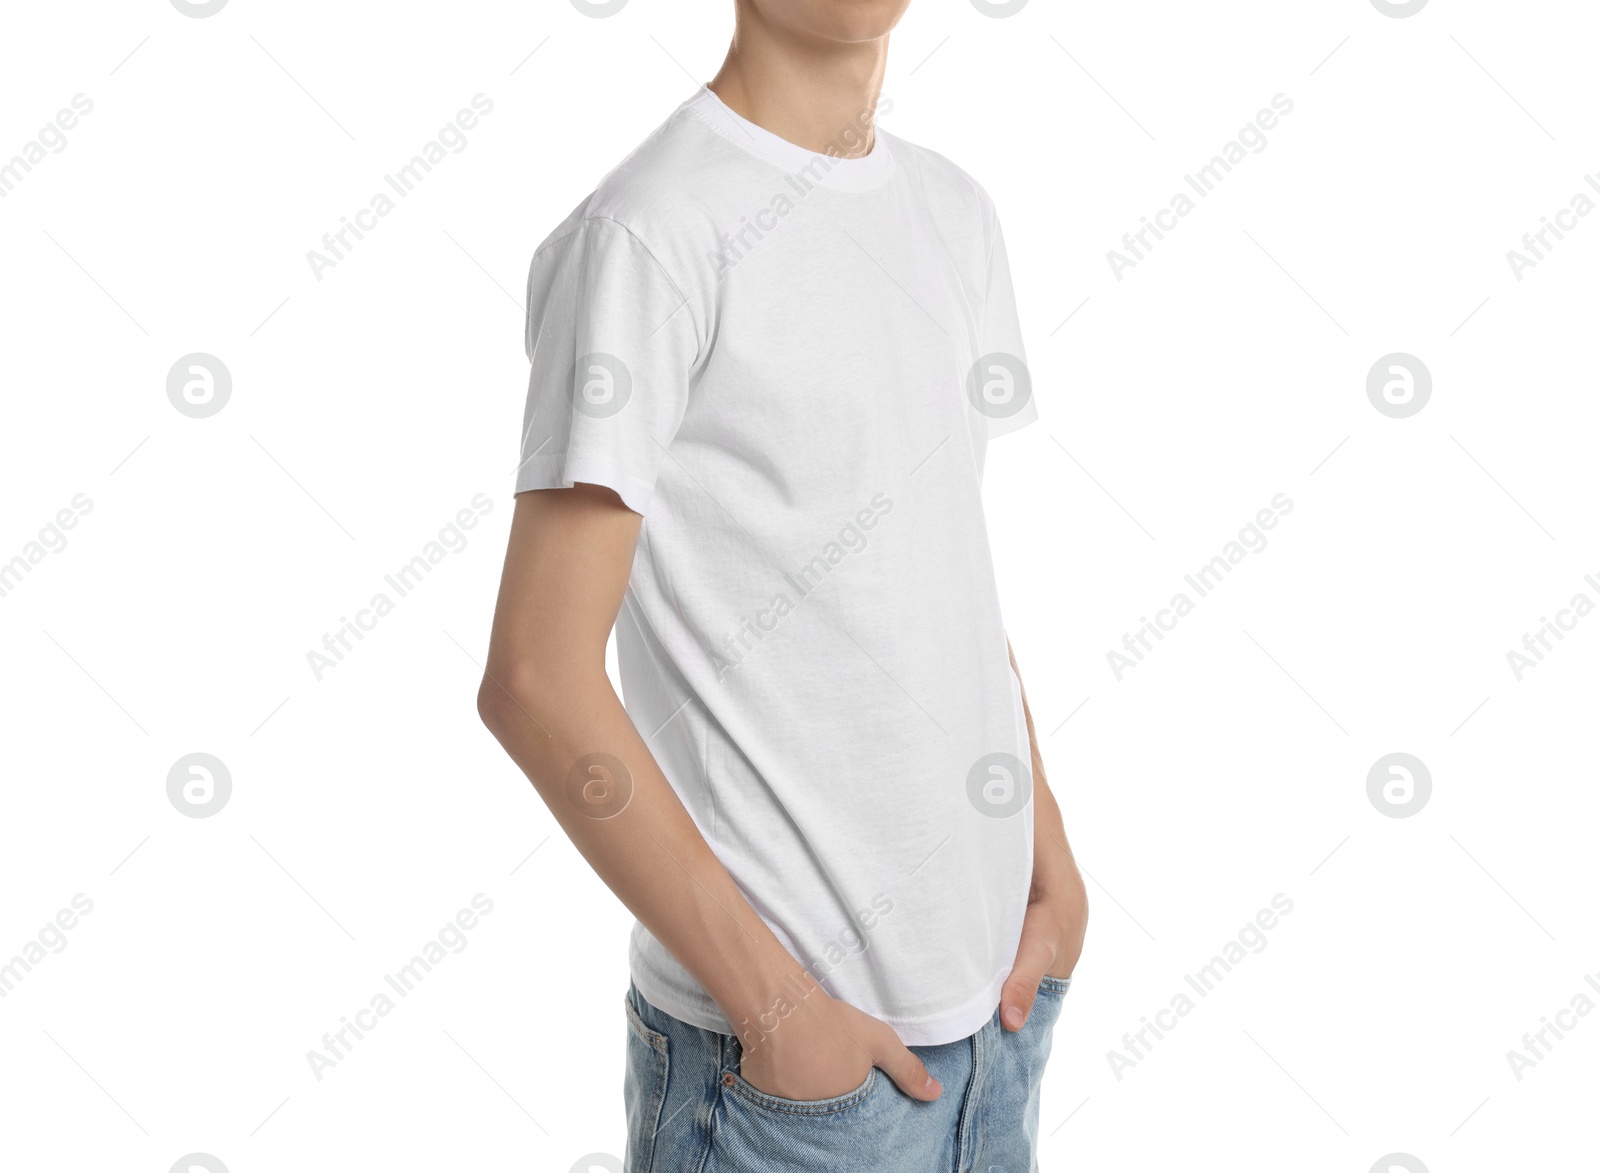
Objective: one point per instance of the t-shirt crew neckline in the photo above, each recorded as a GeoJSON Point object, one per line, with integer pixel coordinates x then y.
{"type": "Point", "coordinates": [862, 173]}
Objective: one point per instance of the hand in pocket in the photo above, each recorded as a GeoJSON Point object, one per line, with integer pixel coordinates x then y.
{"type": "Point", "coordinates": [826, 1048]}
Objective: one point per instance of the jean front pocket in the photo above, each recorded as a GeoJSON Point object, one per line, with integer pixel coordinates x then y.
{"type": "Point", "coordinates": [851, 1133]}
{"type": "Point", "coordinates": [644, 1089]}
{"type": "Point", "coordinates": [751, 1094]}
{"type": "Point", "coordinates": [1055, 985]}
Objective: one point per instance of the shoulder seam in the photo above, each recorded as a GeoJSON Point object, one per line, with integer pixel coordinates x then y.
{"type": "Point", "coordinates": [648, 251]}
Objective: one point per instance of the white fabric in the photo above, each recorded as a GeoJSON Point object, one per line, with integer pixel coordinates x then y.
{"type": "Point", "coordinates": [767, 353]}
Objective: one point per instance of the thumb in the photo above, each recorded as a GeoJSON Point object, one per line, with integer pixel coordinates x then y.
{"type": "Point", "coordinates": [897, 1061]}
{"type": "Point", "coordinates": [1017, 995]}
{"type": "Point", "coordinates": [909, 1073]}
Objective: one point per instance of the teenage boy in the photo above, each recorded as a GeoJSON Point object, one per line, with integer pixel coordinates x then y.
{"type": "Point", "coordinates": [768, 355]}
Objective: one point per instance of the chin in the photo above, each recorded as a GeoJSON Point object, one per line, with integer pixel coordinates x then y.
{"type": "Point", "coordinates": [842, 21]}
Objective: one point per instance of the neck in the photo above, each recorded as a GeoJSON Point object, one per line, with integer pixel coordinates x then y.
{"type": "Point", "coordinates": [820, 95]}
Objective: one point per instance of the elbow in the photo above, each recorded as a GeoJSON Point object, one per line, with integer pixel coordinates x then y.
{"type": "Point", "coordinates": [539, 690]}
{"type": "Point", "coordinates": [507, 699]}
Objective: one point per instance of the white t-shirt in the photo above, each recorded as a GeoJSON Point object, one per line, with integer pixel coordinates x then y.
{"type": "Point", "coordinates": [790, 364]}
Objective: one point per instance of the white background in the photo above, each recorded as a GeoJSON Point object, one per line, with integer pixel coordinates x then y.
{"type": "Point", "coordinates": [371, 405]}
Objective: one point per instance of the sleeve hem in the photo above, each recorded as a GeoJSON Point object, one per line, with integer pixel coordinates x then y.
{"type": "Point", "coordinates": [1004, 425]}
{"type": "Point", "coordinates": [562, 470]}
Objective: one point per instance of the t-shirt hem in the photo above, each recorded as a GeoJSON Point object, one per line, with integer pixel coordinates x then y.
{"type": "Point", "coordinates": [694, 1008]}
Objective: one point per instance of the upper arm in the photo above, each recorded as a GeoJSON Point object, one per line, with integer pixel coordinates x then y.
{"type": "Point", "coordinates": [566, 569]}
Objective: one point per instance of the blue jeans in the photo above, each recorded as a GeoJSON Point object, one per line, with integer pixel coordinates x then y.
{"type": "Point", "coordinates": [690, 1112]}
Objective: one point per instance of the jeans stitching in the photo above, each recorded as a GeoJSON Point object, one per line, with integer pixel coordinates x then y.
{"type": "Point", "coordinates": [751, 1094]}
{"type": "Point", "coordinates": [657, 1100]}
{"type": "Point", "coordinates": [655, 1039]}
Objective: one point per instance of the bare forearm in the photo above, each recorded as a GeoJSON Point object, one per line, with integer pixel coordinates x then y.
{"type": "Point", "coordinates": [547, 698]}
{"type": "Point", "coordinates": [1054, 866]}
{"type": "Point", "coordinates": [1058, 906]}
{"type": "Point", "coordinates": [633, 830]}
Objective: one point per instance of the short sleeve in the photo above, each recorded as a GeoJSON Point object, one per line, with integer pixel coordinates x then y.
{"type": "Point", "coordinates": [612, 341]}
{"type": "Point", "coordinates": [1004, 389]}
